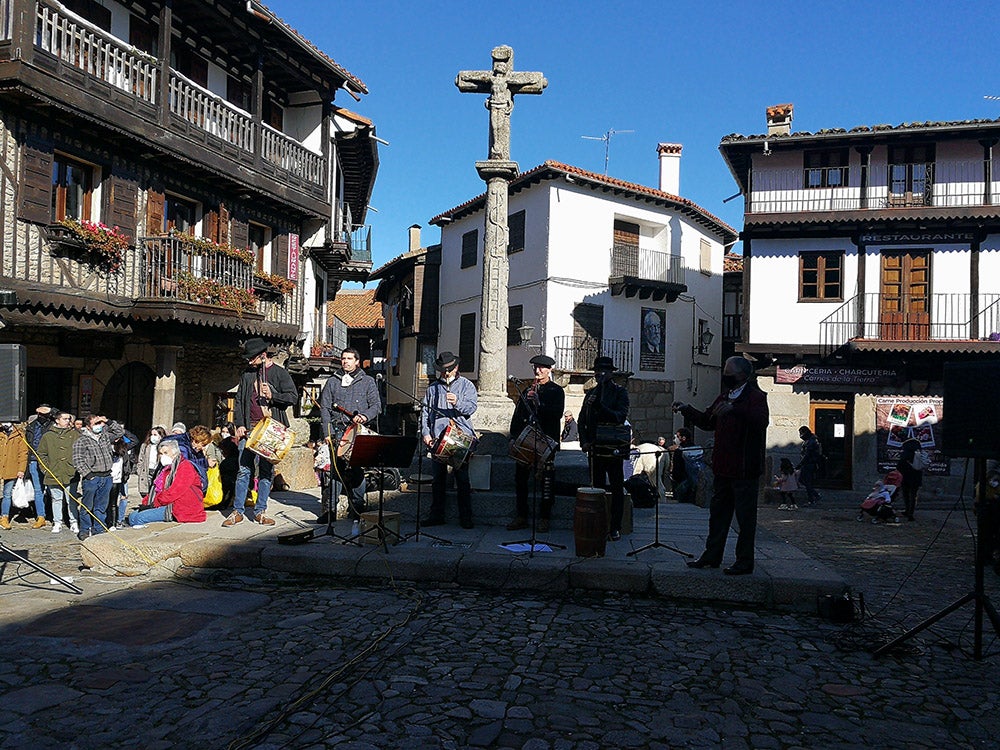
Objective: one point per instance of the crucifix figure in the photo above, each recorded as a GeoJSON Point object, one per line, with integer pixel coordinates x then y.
{"type": "Point", "coordinates": [501, 83]}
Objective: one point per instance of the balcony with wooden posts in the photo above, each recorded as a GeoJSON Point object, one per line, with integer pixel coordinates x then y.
{"type": "Point", "coordinates": [955, 322]}
{"type": "Point", "coordinates": [648, 274]}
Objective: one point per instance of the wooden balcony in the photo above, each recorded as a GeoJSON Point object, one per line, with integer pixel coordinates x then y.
{"type": "Point", "coordinates": [648, 274]}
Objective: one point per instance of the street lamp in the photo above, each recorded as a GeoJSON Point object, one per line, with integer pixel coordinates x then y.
{"type": "Point", "coordinates": [526, 332]}
{"type": "Point", "coordinates": [705, 340]}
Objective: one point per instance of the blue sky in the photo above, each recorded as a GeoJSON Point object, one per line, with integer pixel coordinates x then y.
{"type": "Point", "coordinates": [688, 73]}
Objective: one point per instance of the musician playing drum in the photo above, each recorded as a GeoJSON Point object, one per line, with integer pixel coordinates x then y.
{"type": "Point", "coordinates": [542, 405]}
{"type": "Point", "coordinates": [265, 390]}
{"type": "Point", "coordinates": [450, 400]}
{"type": "Point", "coordinates": [354, 391]}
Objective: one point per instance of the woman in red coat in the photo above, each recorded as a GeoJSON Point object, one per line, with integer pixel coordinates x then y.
{"type": "Point", "coordinates": [176, 493]}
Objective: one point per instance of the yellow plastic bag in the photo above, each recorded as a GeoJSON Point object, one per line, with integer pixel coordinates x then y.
{"type": "Point", "coordinates": [213, 495]}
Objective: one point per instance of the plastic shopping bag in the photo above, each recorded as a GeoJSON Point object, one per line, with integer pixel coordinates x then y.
{"type": "Point", "coordinates": [213, 495]}
{"type": "Point", "coordinates": [23, 493]}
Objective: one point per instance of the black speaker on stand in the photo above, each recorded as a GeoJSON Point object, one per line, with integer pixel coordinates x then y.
{"type": "Point", "coordinates": [13, 390]}
{"type": "Point", "coordinates": [971, 411]}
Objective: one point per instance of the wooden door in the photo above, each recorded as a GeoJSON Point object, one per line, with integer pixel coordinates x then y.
{"type": "Point", "coordinates": [831, 423]}
{"type": "Point", "coordinates": [905, 299]}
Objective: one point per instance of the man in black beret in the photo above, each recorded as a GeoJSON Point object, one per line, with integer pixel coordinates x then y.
{"type": "Point", "coordinates": [542, 406]}
{"type": "Point", "coordinates": [265, 390]}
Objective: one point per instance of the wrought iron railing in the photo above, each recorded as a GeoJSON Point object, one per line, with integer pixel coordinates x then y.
{"type": "Point", "coordinates": [577, 353]}
{"type": "Point", "coordinates": [632, 261]}
{"type": "Point", "coordinates": [173, 269]}
{"type": "Point", "coordinates": [283, 152]}
{"type": "Point", "coordinates": [361, 244]}
{"type": "Point", "coordinates": [94, 51]}
{"type": "Point", "coordinates": [905, 185]}
{"type": "Point", "coordinates": [936, 317]}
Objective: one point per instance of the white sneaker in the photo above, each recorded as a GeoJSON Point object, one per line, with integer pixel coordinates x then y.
{"type": "Point", "coordinates": [57, 527]}
{"type": "Point", "coordinates": [137, 526]}
{"type": "Point", "coordinates": [793, 506]}
{"type": "Point", "coordinates": [783, 506]}
{"type": "Point", "coordinates": [74, 526]}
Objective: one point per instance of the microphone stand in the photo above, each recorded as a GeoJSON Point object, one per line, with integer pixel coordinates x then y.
{"type": "Point", "coordinates": [421, 450]}
{"type": "Point", "coordinates": [532, 420]}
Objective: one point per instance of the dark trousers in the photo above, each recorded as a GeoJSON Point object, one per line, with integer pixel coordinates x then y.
{"type": "Point", "coordinates": [909, 491]}
{"type": "Point", "coordinates": [352, 478]}
{"type": "Point", "coordinates": [545, 475]}
{"type": "Point", "coordinates": [439, 472]}
{"type": "Point", "coordinates": [807, 478]}
{"type": "Point", "coordinates": [732, 497]}
{"type": "Point", "coordinates": [605, 471]}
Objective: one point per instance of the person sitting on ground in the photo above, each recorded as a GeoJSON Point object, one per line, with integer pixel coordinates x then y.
{"type": "Point", "coordinates": [786, 481]}
{"type": "Point", "coordinates": [878, 504]}
{"type": "Point", "coordinates": [176, 494]}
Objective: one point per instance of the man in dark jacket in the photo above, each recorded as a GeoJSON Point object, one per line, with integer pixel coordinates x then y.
{"type": "Point", "coordinates": [55, 452]}
{"type": "Point", "coordinates": [542, 405]}
{"type": "Point", "coordinates": [265, 390]}
{"type": "Point", "coordinates": [38, 425]}
{"type": "Point", "coordinates": [739, 418]}
{"type": "Point", "coordinates": [355, 392]}
{"type": "Point", "coordinates": [607, 404]}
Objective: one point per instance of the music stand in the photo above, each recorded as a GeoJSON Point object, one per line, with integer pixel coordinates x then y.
{"type": "Point", "coordinates": [415, 535]}
{"type": "Point", "coordinates": [656, 536]}
{"type": "Point", "coordinates": [383, 450]}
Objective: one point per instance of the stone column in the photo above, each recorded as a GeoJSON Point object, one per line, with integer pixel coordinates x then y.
{"type": "Point", "coordinates": [165, 390]}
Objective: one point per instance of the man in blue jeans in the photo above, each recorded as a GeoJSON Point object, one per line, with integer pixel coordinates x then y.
{"type": "Point", "coordinates": [33, 433]}
{"type": "Point", "coordinates": [93, 454]}
{"type": "Point", "coordinates": [265, 390]}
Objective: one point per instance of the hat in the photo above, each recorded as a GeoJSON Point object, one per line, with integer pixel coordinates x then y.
{"type": "Point", "coordinates": [604, 364]}
{"type": "Point", "coordinates": [445, 361]}
{"type": "Point", "coordinates": [542, 360]}
{"type": "Point", "coordinates": [253, 347]}
{"type": "Point", "coordinates": [178, 428]}
{"type": "Point", "coordinates": [43, 409]}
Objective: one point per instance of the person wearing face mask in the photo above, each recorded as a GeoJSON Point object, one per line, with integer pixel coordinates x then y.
{"type": "Point", "coordinates": [38, 424]}
{"type": "Point", "coordinates": [176, 493]}
{"type": "Point", "coordinates": [148, 463]}
{"type": "Point", "coordinates": [739, 419]}
{"type": "Point", "coordinates": [354, 391]}
{"type": "Point", "coordinates": [55, 456]}
{"type": "Point", "coordinates": [449, 397]}
{"type": "Point", "coordinates": [13, 462]}
{"type": "Point", "coordinates": [93, 456]}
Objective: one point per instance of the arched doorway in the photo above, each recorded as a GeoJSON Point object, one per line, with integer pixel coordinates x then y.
{"type": "Point", "coordinates": [128, 397]}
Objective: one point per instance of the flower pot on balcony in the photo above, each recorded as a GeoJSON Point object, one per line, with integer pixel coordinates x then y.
{"type": "Point", "coordinates": [88, 243]}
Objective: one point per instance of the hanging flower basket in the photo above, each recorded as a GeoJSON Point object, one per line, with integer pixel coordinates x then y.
{"type": "Point", "coordinates": [272, 285]}
{"type": "Point", "coordinates": [89, 242]}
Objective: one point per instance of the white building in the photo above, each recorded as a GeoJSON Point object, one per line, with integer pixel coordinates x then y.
{"type": "Point", "coordinates": [597, 266]}
{"type": "Point", "coordinates": [871, 258]}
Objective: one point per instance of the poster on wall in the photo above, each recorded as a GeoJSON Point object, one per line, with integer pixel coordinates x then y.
{"type": "Point", "coordinates": [899, 418]}
{"type": "Point", "coordinates": [653, 340]}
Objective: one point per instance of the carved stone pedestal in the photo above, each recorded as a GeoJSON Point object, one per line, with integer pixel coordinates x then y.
{"type": "Point", "coordinates": [492, 419]}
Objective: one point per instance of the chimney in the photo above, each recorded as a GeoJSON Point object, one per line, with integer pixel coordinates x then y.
{"type": "Point", "coordinates": [779, 119]}
{"type": "Point", "coordinates": [670, 167]}
{"type": "Point", "coordinates": [414, 237]}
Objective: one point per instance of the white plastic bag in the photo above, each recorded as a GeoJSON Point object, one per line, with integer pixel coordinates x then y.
{"type": "Point", "coordinates": [23, 493]}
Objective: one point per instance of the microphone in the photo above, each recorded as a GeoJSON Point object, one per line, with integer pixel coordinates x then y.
{"type": "Point", "coordinates": [512, 379]}
{"type": "Point", "coordinates": [379, 376]}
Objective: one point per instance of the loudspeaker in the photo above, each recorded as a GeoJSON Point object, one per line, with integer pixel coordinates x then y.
{"type": "Point", "coordinates": [13, 394]}
{"type": "Point", "coordinates": [971, 424]}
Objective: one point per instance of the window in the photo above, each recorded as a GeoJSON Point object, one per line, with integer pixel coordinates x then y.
{"type": "Point", "coordinates": [189, 64]}
{"type": "Point", "coordinates": [821, 276]}
{"type": "Point", "coordinates": [257, 241]}
{"type": "Point", "coordinates": [274, 114]}
{"type": "Point", "coordinates": [705, 257]}
{"type": "Point", "coordinates": [824, 169]}
{"type": "Point", "coordinates": [239, 92]}
{"type": "Point", "coordinates": [467, 340]}
{"type": "Point", "coordinates": [142, 35]}
{"type": "Point", "coordinates": [910, 175]}
{"type": "Point", "coordinates": [515, 319]}
{"type": "Point", "coordinates": [72, 189]}
{"type": "Point", "coordinates": [470, 248]}
{"type": "Point", "coordinates": [179, 214]}
{"type": "Point", "coordinates": [515, 237]}
{"type": "Point", "coordinates": [91, 10]}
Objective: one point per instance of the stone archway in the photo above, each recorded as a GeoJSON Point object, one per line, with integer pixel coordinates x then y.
{"type": "Point", "coordinates": [128, 397]}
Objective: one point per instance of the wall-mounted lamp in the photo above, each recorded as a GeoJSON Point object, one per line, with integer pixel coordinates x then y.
{"type": "Point", "coordinates": [705, 337]}
{"type": "Point", "coordinates": [526, 332]}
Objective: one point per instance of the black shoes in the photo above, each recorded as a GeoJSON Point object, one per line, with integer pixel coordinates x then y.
{"type": "Point", "coordinates": [739, 569]}
{"type": "Point", "coordinates": [432, 522]}
{"type": "Point", "coordinates": [702, 562]}
{"type": "Point", "coordinates": [615, 536]}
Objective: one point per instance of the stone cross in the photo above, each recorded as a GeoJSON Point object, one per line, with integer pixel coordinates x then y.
{"type": "Point", "coordinates": [502, 84]}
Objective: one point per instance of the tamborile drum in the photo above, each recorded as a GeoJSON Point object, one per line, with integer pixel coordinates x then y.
{"type": "Point", "coordinates": [453, 447]}
{"type": "Point", "coordinates": [532, 446]}
{"type": "Point", "coordinates": [271, 440]}
{"type": "Point", "coordinates": [346, 445]}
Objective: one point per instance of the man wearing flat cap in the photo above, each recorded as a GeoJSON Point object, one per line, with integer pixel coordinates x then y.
{"type": "Point", "coordinates": [542, 406]}
{"type": "Point", "coordinates": [265, 390]}
{"type": "Point", "coordinates": [605, 404]}
{"type": "Point", "coordinates": [449, 398]}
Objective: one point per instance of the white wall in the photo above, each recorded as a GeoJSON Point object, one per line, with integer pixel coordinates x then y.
{"type": "Point", "coordinates": [304, 124]}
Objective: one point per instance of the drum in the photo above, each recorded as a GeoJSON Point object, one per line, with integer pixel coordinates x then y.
{"type": "Point", "coordinates": [453, 447]}
{"type": "Point", "coordinates": [346, 445]}
{"type": "Point", "coordinates": [590, 522]}
{"type": "Point", "coordinates": [270, 440]}
{"type": "Point", "coordinates": [532, 446]}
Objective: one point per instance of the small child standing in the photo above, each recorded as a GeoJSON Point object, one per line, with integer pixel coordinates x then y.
{"type": "Point", "coordinates": [787, 482]}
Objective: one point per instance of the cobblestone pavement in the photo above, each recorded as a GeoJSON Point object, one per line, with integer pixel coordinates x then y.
{"type": "Point", "coordinates": [251, 660]}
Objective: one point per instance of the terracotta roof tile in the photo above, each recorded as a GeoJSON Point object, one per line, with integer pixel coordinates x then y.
{"type": "Point", "coordinates": [865, 129]}
{"type": "Point", "coordinates": [732, 263]}
{"type": "Point", "coordinates": [358, 309]}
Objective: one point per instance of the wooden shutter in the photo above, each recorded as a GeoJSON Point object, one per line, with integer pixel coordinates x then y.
{"type": "Point", "coordinates": [467, 342]}
{"type": "Point", "coordinates": [470, 248]}
{"type": "Point", "coordinates": [515, 237]}
{"type": "Point", "coordinates": [240, 234]}
{"type": "Point", "coordinates": [279, 262]}
{"type": "Point", "coordinates": [35, 189]}
{"type": "Point", "coordinates": [223, 224]}
{"type": "Point", "coordinates": [122, 204]}
{"type": "Point", "coordinates": [155, 207]}
{"type": "Point", "coordinates": [210, 225]}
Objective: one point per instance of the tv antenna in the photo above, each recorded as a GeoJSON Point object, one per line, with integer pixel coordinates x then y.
{"type": "Point", "coordinates": [992, 97]}
{"type": "Point", "coordinates": [607, 143]}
